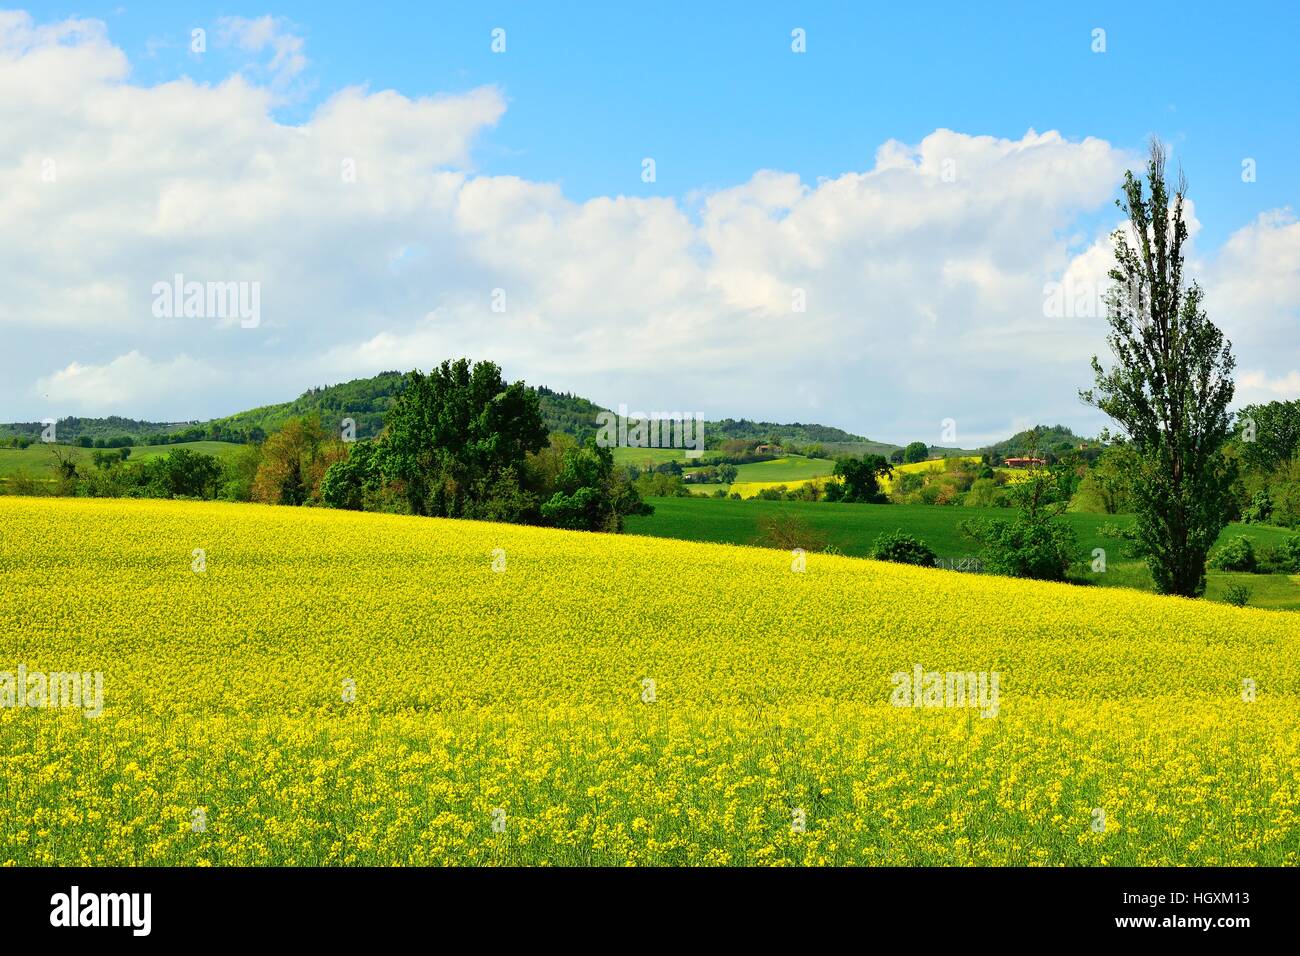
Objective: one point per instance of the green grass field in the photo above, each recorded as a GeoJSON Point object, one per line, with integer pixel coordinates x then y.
{"type": "Point", "coordinates": [641, 457]}
{"type": "Point", "coordinates": [38, 460]}
{"type": "Point", "coordinates": [853, 528]}
{"type": "Point", "coordinates": [790, 468]}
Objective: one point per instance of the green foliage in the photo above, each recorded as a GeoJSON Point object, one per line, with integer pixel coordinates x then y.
{"type": "Point", "coordinates": [1036, 543]}
{"type": "Point", "coordinates": [451, 433]}
{"type": "Point", "coordinates": [1235, 554]}
{"type": "Point", "coordinates": [113, 431]}
{"type": "Point", "coordinates": [568, 413]}
{"type": "Point", "coordinates": [1107, 487]}
{"type": "Point", "coordinates": [1238, 595]}
{"type": "Point", "coordinates": [238, 471]}
{"type": "Point", "coordinates": [1272, 497]}
{"type": "Point", "coordinates": [185, 474]}
{"type": "Point", "coordinates": [1042, 441]}
{"type": "Point", "coordinates": [181, 473]}
{"type": "Point", "coordinates": [654, 484]}
{"type": "Point", "coordinates": [796, 433]}
{"type": "Point", "coordinates": [1260, 509]}
{"type": "Point", "coordinates": [902, 548]}
{"type": "Point", "coordinates": [349, 481]}
{"type": "Point", "coordinates": [1027, 546]}
{"type": "Point", "coordinates": [1268, 435]}
{"type": "Point", "coordinates": [106, 459]}
{"type": "Point", "coordinates": [860, 479]}
{"type": "Point", "coordinates": [984, 493]}
{"type": "Point", "coordinates": [590, 495]}
{"type": "Point", "coordinates": [1283, 558]}
{"type": "Point", "coordinates": [1170, 388]}
{"type": "Point", "coordinates": [916, 451]}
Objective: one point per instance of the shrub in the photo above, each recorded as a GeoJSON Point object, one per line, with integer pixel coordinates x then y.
{"type": "Point", "coordinates": [902, 548]}
{"type": "Point", "coordinates": [1027, 546]}
{"type": "Point", "coordinates": [1283, 558]}
{"type": "Point", "coordinates": [1235, 554]}
{"type": "Point", "coordinates": [22, 483]}
{"type": "Point", "coordinates": [1260, 509]}
{"type": "Point", "coordinates": [983, 492]}
{"type": "Point", "coordinates": [787, 532]}
{"type": "Point", "coordinates": [1236, 594]}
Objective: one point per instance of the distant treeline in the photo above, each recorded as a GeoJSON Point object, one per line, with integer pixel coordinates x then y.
{"type": "Point", "coordinates": [459, 443]}
{"type": "Point", "coordinates": [365, 401]}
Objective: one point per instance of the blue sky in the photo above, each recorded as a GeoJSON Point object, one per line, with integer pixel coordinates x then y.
{"type": "Point", "coordinates": [712, 91]}
{"type": "Point", "coordinates": [775, 172]}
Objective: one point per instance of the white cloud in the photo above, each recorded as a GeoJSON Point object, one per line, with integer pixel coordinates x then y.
{"type": "Point", "coordinates": [130, 379]}
{"type": "Point", "coordinates": [1256, 386]}
{"type": "Point", "coordinates": [923, 274]}
{"type": "Point", "coordinates": [1253, 291]}
{"type": "Point", "coordinates": [267, 34]}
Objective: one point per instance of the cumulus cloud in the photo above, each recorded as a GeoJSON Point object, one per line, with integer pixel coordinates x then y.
{"type": "Point", "coordinates": [130, 379]}
{"type": "Point", "coordinates": [883, 300]}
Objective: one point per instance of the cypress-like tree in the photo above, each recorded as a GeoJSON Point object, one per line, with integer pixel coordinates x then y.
{"type": "Point", "coordinates": [1170, 388]}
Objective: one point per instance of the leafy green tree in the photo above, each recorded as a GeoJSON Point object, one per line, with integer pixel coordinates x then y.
{"type": "Point", "coordinates": [590, 495]}
{"type": "Point", "coordinates": [1170, 388]}
{"type": "Point", "coordinates": [901, 548]}
{"type": "Point", "coordinates": [860, 479]}
{"type": "Point", "coordinates": [1033, 544]}
{"type": "Point", "coordinates": [183, 473]}
{"type": "Point", "coordinates": [347, 481]}
{"type": "Point", "coordinates": [1235, 554]}
{"type": "Point", "coordinates": [1108, 485]}
{"type": "Point", "coordinates": [727, 473]}
{"type": "Point", "coordinates": [238, 472]}
{"type": "Point", "coordinates": [450, 434]}
{"type": "Point", "coordinates": [293, 462]}
{"type": "Point", "coordinates": [1269, 434]}
{"type": "Point", "coordinates": [916, 451]}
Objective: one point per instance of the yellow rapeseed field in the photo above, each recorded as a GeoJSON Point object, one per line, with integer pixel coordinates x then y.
{"type": "Point", "coordinates": [750, 489]}
{"type": "Point", "coordinates": [298, 686]}
{"type": "Point", "coordinates": [935, 465]}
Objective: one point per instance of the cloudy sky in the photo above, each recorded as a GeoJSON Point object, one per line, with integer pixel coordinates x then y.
{"type": "Point", "coordinates": [860, 234]}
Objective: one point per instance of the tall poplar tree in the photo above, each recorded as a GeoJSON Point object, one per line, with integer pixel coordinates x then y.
{"type": "Point", "coordinates": [1170, 388]}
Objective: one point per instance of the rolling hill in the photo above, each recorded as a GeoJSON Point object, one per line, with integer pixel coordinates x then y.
{"type": "Point", "coordinates": [365, 400]}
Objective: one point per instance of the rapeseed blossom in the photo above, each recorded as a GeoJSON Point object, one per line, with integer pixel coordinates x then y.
{"type": "Point", "coordinates": [337, 688]}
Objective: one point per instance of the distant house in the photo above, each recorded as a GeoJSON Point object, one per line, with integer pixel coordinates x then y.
{"type": "Point", "coordinates": [1024, 462]}
{"type": "Point", "coordinates": [767, 450]}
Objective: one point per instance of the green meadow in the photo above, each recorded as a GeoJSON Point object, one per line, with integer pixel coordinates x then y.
{"type": "Point", "coordinates": [853, 528]}
{"type": "Point", "coordinates": [38, 460]}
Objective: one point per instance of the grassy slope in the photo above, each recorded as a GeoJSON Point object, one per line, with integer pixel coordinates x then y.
{"type": "Point", "coordinates": [789, 468]}
{"type": "Point", "coordinates": [853, 528]}
{"type": "Point", "coordinates": [37, 460]}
